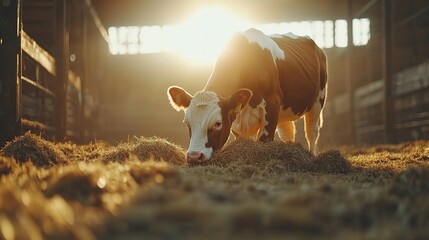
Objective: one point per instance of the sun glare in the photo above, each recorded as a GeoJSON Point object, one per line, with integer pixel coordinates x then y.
{"type": "Point", "coordinates": [205, 33]}
{"type": "Point", "coordinates": [202, 36]}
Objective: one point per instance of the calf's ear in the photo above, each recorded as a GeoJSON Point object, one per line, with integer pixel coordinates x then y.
{"type": "Point", "coordinates": [239, 98]}
{"type": "Point", "coordinates": [179, 98]}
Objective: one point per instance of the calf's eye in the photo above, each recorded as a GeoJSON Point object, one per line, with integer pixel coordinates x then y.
{"type": "Point", "coordinates": [217, 125]}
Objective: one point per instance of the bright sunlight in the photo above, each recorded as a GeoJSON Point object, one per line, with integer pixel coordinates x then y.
{"type": "Point", "coordinates": [201, 37]}
{"type": "Point", "coordinates": [204, 34]}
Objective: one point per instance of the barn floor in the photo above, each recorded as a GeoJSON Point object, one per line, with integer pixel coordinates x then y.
{"type": "Point", "coordinates": [143, 188]}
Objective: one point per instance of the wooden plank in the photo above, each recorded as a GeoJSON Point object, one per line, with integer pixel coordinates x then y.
{"type": "Point", "coordinates": [370, 129]}
{"type": "Point", "coordinates": [39, 54]}
{"type": "Point", "coordinates": [370, 100]}
{"type": "Point", "coordinates": [369, 94]}
{"type": "Point", "coordinates": [412, 79]}
{"type": "Point", "coordinates": [38, 86]}
{"type": "Point", "coordinates": [412, 124]}
{"type": "Point", "coordinates": [36, 125]}
{"type": "Point", "coordinates": [368, 89]}
{"type": "Point", "coordinates": [74, 80]}
{"type": "Point", "coordinates": [341, 104]}
{"type": "Point", "coordinates": [39, 4]}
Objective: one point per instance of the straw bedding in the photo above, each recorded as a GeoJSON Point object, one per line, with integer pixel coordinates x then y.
{"type": "Point", "coordinates": [145, 188]}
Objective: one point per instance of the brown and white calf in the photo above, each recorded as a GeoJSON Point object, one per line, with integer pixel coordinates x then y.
{"type": "Point", "coordinates": [259, 84]}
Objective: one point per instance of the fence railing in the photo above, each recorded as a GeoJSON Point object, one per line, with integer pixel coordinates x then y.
{"type": "Point", "coordinates": [38, 91]}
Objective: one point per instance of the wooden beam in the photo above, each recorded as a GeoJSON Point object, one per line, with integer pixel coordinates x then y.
{"type": "Point", "coordinates": [412, 17]}
{"type": "Point", "coordinates": [365, 8]}
{"type": "Point", "coordinates": [97, 20]}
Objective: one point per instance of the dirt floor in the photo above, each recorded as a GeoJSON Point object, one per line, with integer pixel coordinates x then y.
{"type": "Point", "coordinates": [144, 189]}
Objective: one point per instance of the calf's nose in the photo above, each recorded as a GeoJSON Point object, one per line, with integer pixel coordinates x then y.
{"type": "Point", "coordinates": [195, 157]}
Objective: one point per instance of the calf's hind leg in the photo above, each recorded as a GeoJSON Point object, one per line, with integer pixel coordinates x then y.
{"type": "Point", "coordinates": [313, 122]}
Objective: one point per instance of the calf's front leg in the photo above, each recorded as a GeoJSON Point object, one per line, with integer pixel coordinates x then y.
{"type": "Point", "coordinates": [269, 119]}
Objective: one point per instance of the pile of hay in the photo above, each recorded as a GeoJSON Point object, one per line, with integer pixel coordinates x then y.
{"type": "Point", "coordinates": [35, 149]}
{"type": "Point", "coordinates": [147, 148]}
{"type": "Point", "coordinates": [43, 153]}
{"type": "Point", "coordinates": [280, 157]}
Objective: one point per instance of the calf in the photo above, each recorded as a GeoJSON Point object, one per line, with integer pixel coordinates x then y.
{"type": "Point", "coordinates": [259, 84]}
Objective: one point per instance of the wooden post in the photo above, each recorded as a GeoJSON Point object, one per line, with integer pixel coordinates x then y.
{"type": "Point", "coordinates": [349, 78]}
{"type": "Point", "coordinates": [389, 118]}
{"type": "Point", "coordinates": [10, 69]}
{"type": "Point", "coordinates": [83, 72]}
{"type": "Point", "coordinates": [62, 66]}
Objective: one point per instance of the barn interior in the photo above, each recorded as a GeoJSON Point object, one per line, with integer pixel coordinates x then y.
{"type": "Point", "coordinates": [95, 70]}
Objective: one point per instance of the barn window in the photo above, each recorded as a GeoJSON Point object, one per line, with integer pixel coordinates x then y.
{"type": "Point", "coordinates": [341, 33]}
{"type": "Point", "coordinates": [329, 34]}
{"type": "Point", "coordinates": [361, 33]}
{"type": "Point", "coordinates": [204, 34]}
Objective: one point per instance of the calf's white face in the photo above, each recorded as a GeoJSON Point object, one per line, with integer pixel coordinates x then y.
{"type": "Point", "coordinates": [208, 118]}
